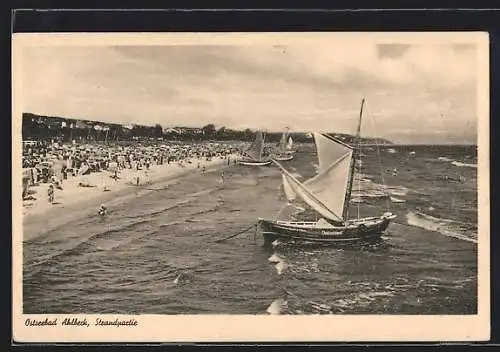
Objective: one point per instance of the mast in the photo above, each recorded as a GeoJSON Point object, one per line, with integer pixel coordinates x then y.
{"type": "Point", "coordinates": [262, 146]}
{"type": "Point", "coordinates": [353, 164]}
{"type": "Point", "coordinates": [283, 140]}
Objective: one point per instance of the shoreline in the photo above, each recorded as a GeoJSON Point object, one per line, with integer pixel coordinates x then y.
{"type": "Point", "coordinates": [82, 201]}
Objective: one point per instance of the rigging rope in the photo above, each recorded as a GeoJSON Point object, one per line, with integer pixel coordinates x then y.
{"type": "Point", "coordinates": [388, 198]}
{"type": "Point", "coordinates": [359, 176]}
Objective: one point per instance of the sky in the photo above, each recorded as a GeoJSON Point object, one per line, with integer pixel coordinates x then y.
{"type": "Point", "coordinates": [422, 93]}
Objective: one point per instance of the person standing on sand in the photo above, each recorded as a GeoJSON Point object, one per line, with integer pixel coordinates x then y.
{"type": "Point", "coordinates": [50, 193]}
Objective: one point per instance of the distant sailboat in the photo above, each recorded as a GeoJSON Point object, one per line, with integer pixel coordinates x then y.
{"type": "Point", "coordinates": [289, 145]}
{"type": "Point", "coordinates": [285, 151]}
{"type": "Point", "coordinates": [253, 155]}
{"type": "Point", "coordinates": [328, 194]}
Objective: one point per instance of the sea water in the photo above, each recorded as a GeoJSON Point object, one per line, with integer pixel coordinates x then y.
{"type": "Point", "coordinates": [156, 253]}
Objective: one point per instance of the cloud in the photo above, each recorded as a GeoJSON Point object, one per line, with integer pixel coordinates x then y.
{"type": "Point", "coordinates": [411, 87]}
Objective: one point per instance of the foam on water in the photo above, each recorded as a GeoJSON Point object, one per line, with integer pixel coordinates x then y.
{"type": "Point", "coordinates": [276, 307]}
{"type": "Point", "coordinates": [281, 267]}
{"type": "Point", "coordinates": [442, 226]}
{"type": "Point", "coordinates": [275, 258]}
{"type": "Point", "coordinates": [457, 163]}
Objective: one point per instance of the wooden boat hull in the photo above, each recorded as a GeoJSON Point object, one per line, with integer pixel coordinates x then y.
{"type": "Point", "coordinates": [364, 230]}
{"type": "Point", "coordinates": [254, 163]}
{"type": "Point", "coordinates": [284, 157]}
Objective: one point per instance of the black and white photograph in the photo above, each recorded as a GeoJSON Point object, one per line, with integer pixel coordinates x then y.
{"type": "Point", "coordinates": [288, 175]}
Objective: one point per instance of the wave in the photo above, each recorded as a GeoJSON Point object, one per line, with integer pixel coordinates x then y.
{"type": "Point", "coordinates": [83, 244]}
{"type": "Point", "coordinates": [459, 164]}
{"type": "Point", "coordinates": [361, 299]}
{"type": "Point", "coordinates": [108, 244]}
{"type": "Point", "coordinates": [275, 258]}
{"type": "Point", "coordinates": [366, 188]}
{"type": "Point", "coordinates": [188, 199]}
{"type": "Point", "coordinates": [397, 190]}
{"type": "Point", "coordinates": [397, 200]}
{"type": "Point", "coordinates": [245, 182]}
{"type": "Point", "coordinates": [362, 295]}
{"type": "Point", "coordinates": [277, 307]}
{"type": "Point", "coordinates": [456, 163]}
{"type": "Point", "coordinates": [204, 211]}
{"type": "Point", "coordinates": [172, 223]}
{"type": "Point", "coordinates": [446, 227]}
{"type": "Point", "coordinates": [103, 241]}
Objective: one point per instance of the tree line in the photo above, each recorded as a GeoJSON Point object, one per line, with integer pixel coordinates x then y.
{"type": "Point", "coordinates": [40, 127]}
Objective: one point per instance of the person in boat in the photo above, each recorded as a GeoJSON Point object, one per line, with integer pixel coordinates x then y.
{"type": "Point", "coordinates": [102, 210]}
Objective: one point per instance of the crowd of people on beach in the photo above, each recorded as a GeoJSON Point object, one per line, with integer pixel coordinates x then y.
{"type": "Point", "coordinates": [52, 162]}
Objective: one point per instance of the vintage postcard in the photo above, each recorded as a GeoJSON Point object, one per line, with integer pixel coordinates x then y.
{"type": "Point", "coordinates": [217, 187]}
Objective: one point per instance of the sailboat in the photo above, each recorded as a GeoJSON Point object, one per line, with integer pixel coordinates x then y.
{"type": "Point", "coordinates": [253, 155]}
{"type": "Point", "coordinates": [328, 193]}
{"type": "Point", "coordinates": [285, 151]}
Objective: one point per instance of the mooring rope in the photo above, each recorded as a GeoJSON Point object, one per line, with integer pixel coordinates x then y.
{"type": "Point", "coordinates": [236, 234]}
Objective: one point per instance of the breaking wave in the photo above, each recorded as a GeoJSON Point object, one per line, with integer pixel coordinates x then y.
{"type": "Point", "coordinates": [458, 163]}
{"type": "Point", "coordinates": [446, 227]}
{"type": "Point", "coordinates": [455, 162]}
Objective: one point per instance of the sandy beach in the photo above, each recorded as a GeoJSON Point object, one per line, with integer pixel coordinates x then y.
{"type": "Point", "coordinates": [74, 201]}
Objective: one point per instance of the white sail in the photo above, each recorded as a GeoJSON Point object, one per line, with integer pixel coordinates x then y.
{"type": "Point", "coordinates": [289, 146]}
{"type": "Point", "coordinates": [325, 192]}
{"type": "Point", "coordinates": [305, 195]}
{"type": "Point", "coordinates": [256, 148]}
{"type": "Point", "coordinates": [329, 151]}
{"type": "Point", "coordinates": [288, 190]}
{"type": "Point", "coordinates": [330, 185]}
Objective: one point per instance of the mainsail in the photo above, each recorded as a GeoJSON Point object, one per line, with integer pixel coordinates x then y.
{"type": "Point", "coordinates": [325, 192]}
{"type": "Point", "coordinates": [305, 195]}
{"type": "Point", "coordinates": [256, 148]}
{"type": "Point", "coordinates": [289, 146]}
{"type": "Point", "coordinates": [288, 189]}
